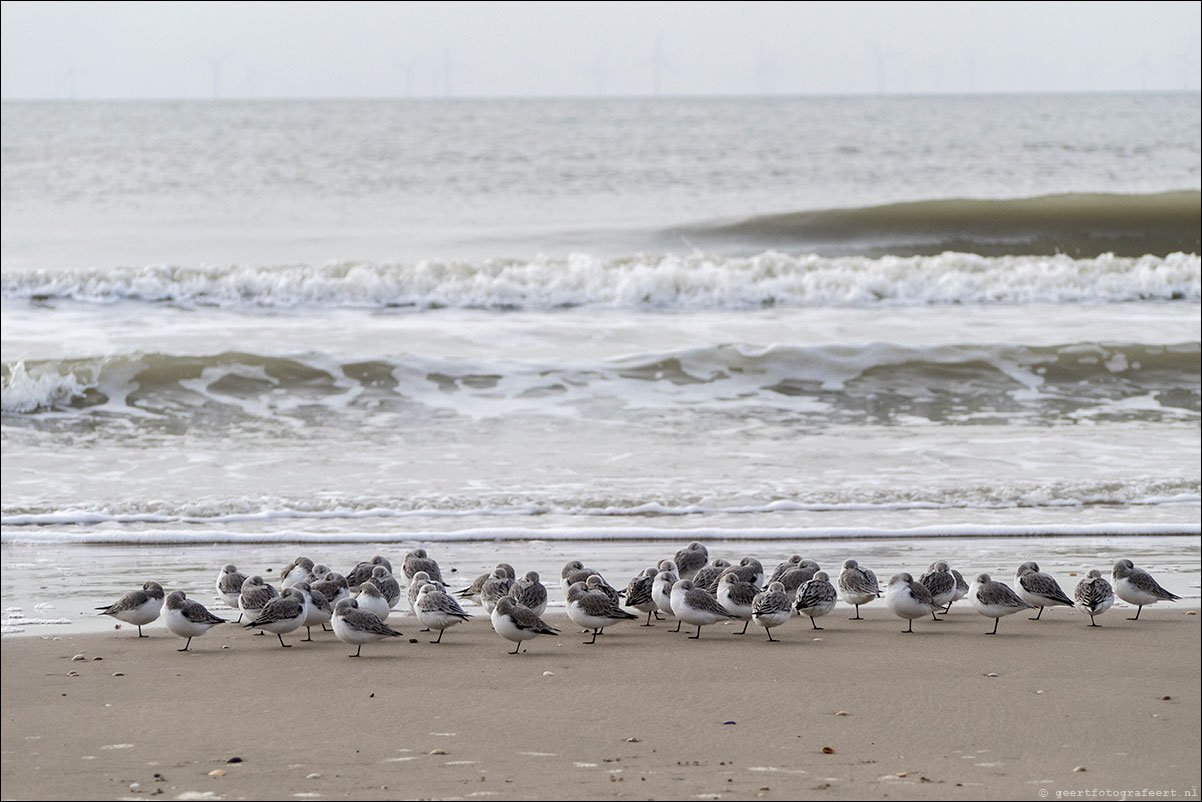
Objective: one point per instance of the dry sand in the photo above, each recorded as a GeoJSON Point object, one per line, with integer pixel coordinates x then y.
{"type": "Point", "coordinates": [643, 714]}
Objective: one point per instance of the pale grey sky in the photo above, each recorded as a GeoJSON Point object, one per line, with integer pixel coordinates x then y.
{"type": "Point", "coordinates": [353, 49]}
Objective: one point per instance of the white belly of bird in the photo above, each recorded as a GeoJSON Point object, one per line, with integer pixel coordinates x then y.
{"type": "Point", "coordinates": [818, 610]}
{"type": "Point", "coordinates": [348, 634]}
{"type": "Point", "coordinates": [141, 615]}
{"type": "Point", "coordinates": [741, 611]}
{"type": "Point", "coordinates": [904, 605]}
{"type": "Point", "coordinates": [436, 620]}
{"type": "Point", "coordinates": [178, 624]}
{"type": "Point", "coordinates": [773, 620]}
{"type": "Point", "coordinates": [942, 599]}
{"type": "Point", "coordinates": [691, 615]}
{"type": "Point", "coordinates": [642, 607]}
{"type": "Point", "coordinates": [1131, 594]}
{"type": "Point", "coordinates": [854, 598]}
{"type": "Point", "coordinates": [285, 626]}
{"type": "Point", "coordinates": [1033, 599]}
{"type": "Point", "coordinates": [503, 626]}
{"type": "Point", "coordinates": [539, 609]}
{"type": "Point", "coordinates": [294, 577]}
{"type": "Point", "coordinates": [994, 610]}
{"type": "Point", "coordinates": [250, 613]}
{"type": "Point", "coordinates": [316, 616]}
{"type": "Point", "coordinates": [375, 605]}
{"type": "Point", "coordinates": [583, 619]}
{"type": "Point", "coordinates": [662, 598]}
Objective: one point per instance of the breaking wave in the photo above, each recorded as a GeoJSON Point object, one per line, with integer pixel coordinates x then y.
{"type": "Point", "coordinates": [686, 281]}
{"type": "Point", "coordinates": [947, 382]}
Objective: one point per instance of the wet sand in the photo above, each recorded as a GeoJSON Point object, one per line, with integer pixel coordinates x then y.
{"type": "Point", "coordinates": [643, 714]}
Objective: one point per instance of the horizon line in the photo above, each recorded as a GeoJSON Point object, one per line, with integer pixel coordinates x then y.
{"type": "Point", "coordinates": [615, 96]}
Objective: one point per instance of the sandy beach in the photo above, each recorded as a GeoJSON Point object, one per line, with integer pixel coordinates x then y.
{"type": "Point", "coordinates": [1047, 709]}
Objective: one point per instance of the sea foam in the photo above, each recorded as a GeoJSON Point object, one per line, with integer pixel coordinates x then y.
{"type": "Point", "coordinates": [696, 280]}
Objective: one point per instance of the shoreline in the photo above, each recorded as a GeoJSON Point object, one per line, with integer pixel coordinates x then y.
{"type": "Point", "coordinates": [642, 714]}
{"type": "Point", "coordinates": [66, 583]}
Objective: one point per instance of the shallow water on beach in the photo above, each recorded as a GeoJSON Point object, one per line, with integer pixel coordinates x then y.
{"type": "Point", "coordinates": [65, 584]}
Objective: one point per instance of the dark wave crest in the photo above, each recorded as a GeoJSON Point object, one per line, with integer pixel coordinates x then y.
{"type": "Point", "coordinates": [1077, 224]}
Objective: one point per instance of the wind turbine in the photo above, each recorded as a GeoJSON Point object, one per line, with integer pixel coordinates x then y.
{"type": "Point", "coordinates": [448, 69]}
{"type": "Point", "coordinates": [882, 60]}
{"type": "Point", "coordinates": [765, 70]}
{"type": "Point", "coordinates": [407, 66]}
{"type": "Point", "coordinates": [657, 64]}
{"type": "Point", "coordinates": [1184, 58]}
{"type": "Point", "coordinates": [215, 64]}
{"type": "Point", "coordinates": [68, 72]}
{"type": "Point", "coordinates": [253, 73]}
{"type": "Point", "coordinates": [599, 75]}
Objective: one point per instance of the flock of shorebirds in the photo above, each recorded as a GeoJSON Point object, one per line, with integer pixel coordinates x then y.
{"type": "Point", "coordinates": [689, 587]}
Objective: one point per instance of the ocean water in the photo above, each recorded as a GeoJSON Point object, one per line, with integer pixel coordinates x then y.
{"type": "Point", "coordinates": [609, 325]}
